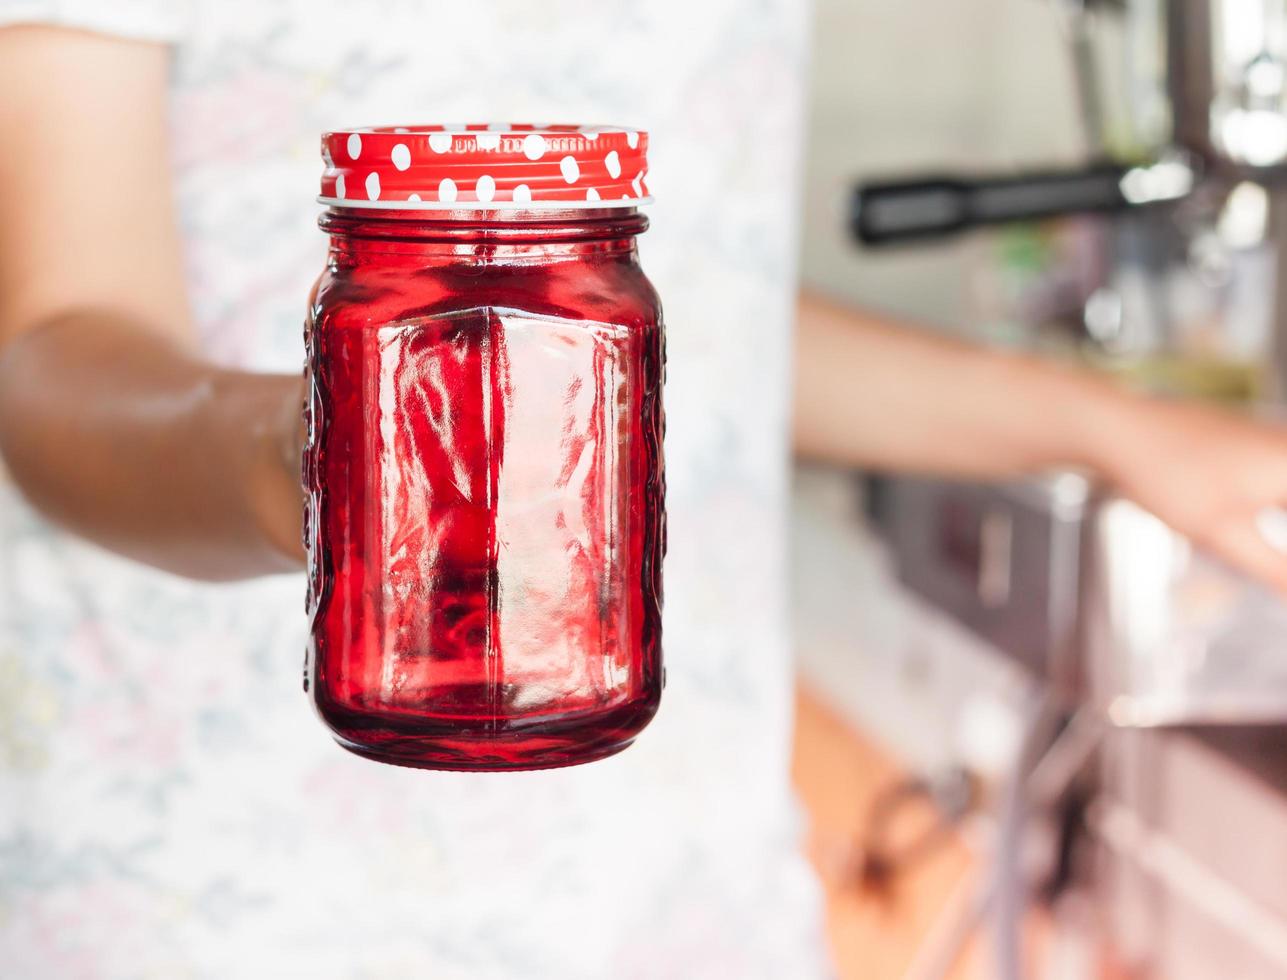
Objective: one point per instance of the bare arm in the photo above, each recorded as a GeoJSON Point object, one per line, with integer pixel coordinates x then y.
{"type": "Point", "coordinates": [874, 394]}
{"type": "Point", "coordinates": [110, 421]}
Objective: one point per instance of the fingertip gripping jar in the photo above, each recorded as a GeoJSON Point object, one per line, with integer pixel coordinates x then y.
{"type": "Point", "coordinates": [483, 468]}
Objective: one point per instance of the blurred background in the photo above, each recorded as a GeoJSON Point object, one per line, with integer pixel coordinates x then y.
{"type": "Point", "coordinates": [1039, 734]}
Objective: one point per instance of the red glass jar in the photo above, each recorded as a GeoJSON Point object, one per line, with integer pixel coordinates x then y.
{"type": "Point", "coordinates": [485, 520]}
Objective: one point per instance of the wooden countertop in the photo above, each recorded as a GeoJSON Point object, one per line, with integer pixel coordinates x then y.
{"type": "Point", "coordinates": [874, 936]}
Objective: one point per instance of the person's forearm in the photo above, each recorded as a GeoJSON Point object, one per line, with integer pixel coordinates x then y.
{"type": "Point", "coordinates": [128, 439]}
{"type": "Point", "coordinates": [872, 394]}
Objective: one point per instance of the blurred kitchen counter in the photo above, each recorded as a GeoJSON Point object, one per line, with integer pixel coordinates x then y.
{"type": "Point", "coordinates": [885, 690]}
{"type": "Point", "coordinates": [838, 774]}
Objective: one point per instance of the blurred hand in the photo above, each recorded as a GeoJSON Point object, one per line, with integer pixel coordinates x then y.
{"type": "Point", "coordinates": [1209, 473]}
{"type": "Point", "coordinates": [872, 393]}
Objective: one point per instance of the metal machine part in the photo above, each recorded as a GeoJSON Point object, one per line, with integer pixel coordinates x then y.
{"type": "Point", "coordinates": [1186, 828]}
{"type": "Point", "coordinates": [1094, 594]}
{"type": "Point", "coordinates": [1187, 135]}
{"type": "Point", "coordinates": [1226, 78]}
{"type": "Point", "coordinates": [893, 212]}
{"type": "Point", "coordinates": [1004, 560]}
{"type": "Point", "coordinates": [1205, 92]}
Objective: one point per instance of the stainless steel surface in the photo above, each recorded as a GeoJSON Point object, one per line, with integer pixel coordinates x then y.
{"type": "Point", "coordinates": [1206, 75]}
{"type": "Point", "coordinates": [1002, 560]}
{"type": "Point", "coordinates": [1276, 235]}
{"type": "Point", "coordinates": [1094, 596]}
{"type": "Point", "coordinates": [1171, 637]}
{"type": "Point", "coordinates": [1191, 853]}
{"type": "Point", "coordinates": [1236, 66]}
{"type": "Point", "coordinates": [1223, 76]}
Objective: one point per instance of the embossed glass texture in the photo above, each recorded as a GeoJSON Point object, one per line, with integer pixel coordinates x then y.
{"type": "Point", "coordinates": [485, 519]}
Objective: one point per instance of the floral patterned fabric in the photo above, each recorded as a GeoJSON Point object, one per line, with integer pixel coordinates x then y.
{"type": "Point", "coordinates": [169, 807]}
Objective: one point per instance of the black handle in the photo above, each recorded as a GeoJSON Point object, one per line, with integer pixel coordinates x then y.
{"type": "Point", "coordinates": [899, 211]}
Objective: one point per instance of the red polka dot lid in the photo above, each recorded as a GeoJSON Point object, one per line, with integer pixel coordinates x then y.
{"type": "Point", "coordinates": [485, 166]}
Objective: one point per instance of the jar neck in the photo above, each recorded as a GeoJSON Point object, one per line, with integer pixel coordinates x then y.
{"type": "Point", "coordinates": [482, 237]}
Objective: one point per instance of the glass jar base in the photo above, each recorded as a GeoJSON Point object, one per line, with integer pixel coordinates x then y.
{"type": "Point", "coordinates": [464, 755]}
{"type": "Point", "coordinates": [490, 745]}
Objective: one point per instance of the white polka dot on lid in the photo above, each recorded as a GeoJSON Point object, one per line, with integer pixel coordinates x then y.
{"type": "Point", "coordinates": [440, 142]}
{"type": "Point", "coordinates": [354, 146]}
{"type": "Point", "coordinates": [613, 163]}
{"type": "Point", "coordinates": [632, 139]}
{"type": "Point", "coordinates": [485, 189]}
{"type": "Point", "coordinates": [534, 146]}
{"type": "Point", "coordinates": [488, 141]}
{"type": "Point", "coordinates": [339, 186]}
{"type": "Point", "coordinates": [401, 156]}
{"type": "Point", "coordinates": [522, 194]}
{"type": "Point", "coordinates": [447, 190]}
{"type": "Point", "coordinates": [373, 186]}
{"type": "Point", "coordinates": [571, 171]}
{"type": "Point", "coordinates": [592, 195]}
{"type": "Point", "coordinates": [637, 184]}
{"type": "Point", "coordinates": [413, 197]}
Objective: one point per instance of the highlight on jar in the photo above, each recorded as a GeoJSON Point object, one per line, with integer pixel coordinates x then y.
{"type": "Point", "coordinates": [483, 463]}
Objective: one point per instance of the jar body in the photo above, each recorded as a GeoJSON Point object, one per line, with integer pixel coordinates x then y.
{"type": "Point", "coordinates": [485, 519]}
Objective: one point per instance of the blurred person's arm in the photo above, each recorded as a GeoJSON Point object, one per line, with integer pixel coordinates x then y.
{"type": "Point", "coordinates": [872, 394]}
{"type": "Point", "coordinates": [110, 421]}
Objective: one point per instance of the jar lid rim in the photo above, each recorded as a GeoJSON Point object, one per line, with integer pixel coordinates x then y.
{"type": "Point", "coordinates": [483, 166]}
{"type": "Point", "coordinates": [381, 205]}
